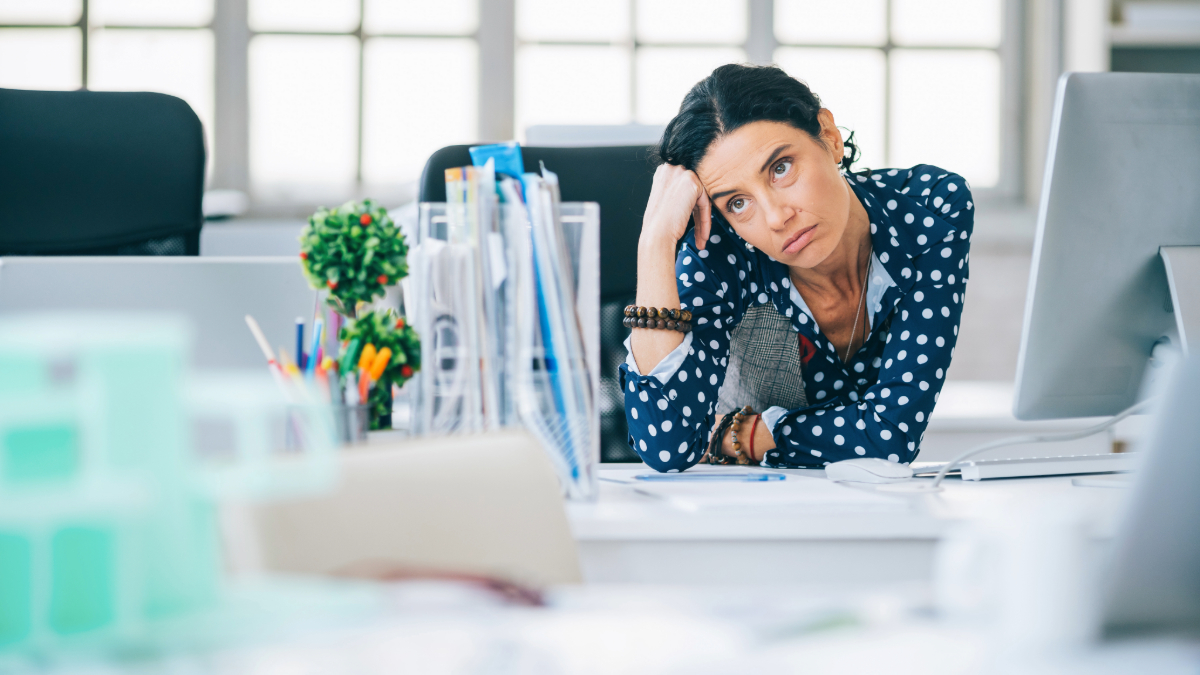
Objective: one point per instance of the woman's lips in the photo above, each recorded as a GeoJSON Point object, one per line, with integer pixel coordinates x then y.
{"type": "Point", "coordinates": [799, 240]}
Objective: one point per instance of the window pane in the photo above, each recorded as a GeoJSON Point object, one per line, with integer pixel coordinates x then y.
{"type": "Point", "coordinates": [581, 20]}
{"type": "Point", "coordinates": [444, 17]}
{"type": "Point", "coordinates": [665, 74]}
{"type": "Point", "coordinates": [850, 83]}
{"type": "Point", "coordinates": [691, 21]}
{"type": "Point", "coordinates": [303, 109]}
{"type": "Point", "coordinates": [419, 95]}
{"type": "Point", "coordinates": [150, 12]}
{"type": "Point", "coordinates": [946, 112]}
{"type": "Point", "coordinates": [572, 85]}
{"type": "Point", "coordinates": [326, 16]}
{"type": "Point", "coordinates": [947, 22]}
{"type": "Point", "coordinates": [40, 11]}
{"type": "Point", "coordinates": [176, 62]}
{"type": "Point", "coordinates": [821, 22]}
{"type": "Point", "coordinates": [40, 58]}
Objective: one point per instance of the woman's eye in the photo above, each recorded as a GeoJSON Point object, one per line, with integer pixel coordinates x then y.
{"type": "Point", "coordinates": [737, 205]}
{"type": "Point", "coordinates": [782, 167]}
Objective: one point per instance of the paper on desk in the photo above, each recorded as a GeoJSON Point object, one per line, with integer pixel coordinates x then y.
{"type": "Point", "coordinates": [811, 495]}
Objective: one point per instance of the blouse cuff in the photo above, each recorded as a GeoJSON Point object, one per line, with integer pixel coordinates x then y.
{"type": "Point", "coordinates": [666, 368]}
{"type": "Point", "coordinates": [771, 416]}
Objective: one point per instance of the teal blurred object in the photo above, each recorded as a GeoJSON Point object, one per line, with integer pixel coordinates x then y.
{"type": "Point", "coordinates": [108, 507]}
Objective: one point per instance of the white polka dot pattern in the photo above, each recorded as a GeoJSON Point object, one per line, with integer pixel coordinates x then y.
{"type": "Point", "coordinates": [883, 396]}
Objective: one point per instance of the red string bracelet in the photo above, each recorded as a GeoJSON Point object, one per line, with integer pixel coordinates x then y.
{"type": "Point", "coordinates": [753, 428]}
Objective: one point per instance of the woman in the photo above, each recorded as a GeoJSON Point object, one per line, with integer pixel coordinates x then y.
{"type": "Point", "coordinates": [824, 306]}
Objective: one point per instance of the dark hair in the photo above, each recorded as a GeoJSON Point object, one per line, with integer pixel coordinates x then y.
{"type": "Point", "coordinates": [733, 96]}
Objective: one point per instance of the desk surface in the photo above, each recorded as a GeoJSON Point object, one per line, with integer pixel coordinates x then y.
{"type": "Point", "coordinates": [626, 537]}
{"type": "Point", "coordinates": [620, 513]}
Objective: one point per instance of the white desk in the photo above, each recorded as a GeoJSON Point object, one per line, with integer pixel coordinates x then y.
{"type": "Point", "coordinates": [625, 537]}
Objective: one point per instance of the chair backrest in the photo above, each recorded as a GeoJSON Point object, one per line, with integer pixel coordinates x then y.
{"type": "Point", "coordinates": [476, 504]}
{"type": "Point", "coordinates": [99, 173]}
{"type": "Point", "coordinates": [619, 179]}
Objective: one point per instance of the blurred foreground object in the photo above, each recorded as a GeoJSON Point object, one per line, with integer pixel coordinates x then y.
{"type": "Point", "coordinates": [475, 504]}
{"type": "Point", "coordinates": [108, 519]}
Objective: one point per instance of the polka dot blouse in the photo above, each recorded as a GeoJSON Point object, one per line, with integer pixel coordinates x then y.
{"type": "Point", "coordinates": [878, 404]}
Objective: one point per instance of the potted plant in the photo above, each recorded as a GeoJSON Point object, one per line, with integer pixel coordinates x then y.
{"type": "Point", "coordinates": [354, 253]}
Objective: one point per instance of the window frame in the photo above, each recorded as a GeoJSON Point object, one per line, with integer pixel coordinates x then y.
{"type": "Point", "coordinates": [632, 45]}
{"type": "Point", "coordinates": [1009, 178]}
{"type": "Point", "coordinates": [761, 43]}
{"type": "Point", "coordinates": [497, 44]}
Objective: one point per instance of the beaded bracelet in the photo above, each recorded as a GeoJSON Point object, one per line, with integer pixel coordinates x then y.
{"type": "Point", "coordinates": [714, 454]}
{"type": "Point", "coordinates": [653, 317]}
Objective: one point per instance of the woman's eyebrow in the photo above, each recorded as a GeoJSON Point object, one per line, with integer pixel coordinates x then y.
{"type": "Point", "coordinates": [770, 160]}
{"type": "Point", "coordinates": [774, 156]}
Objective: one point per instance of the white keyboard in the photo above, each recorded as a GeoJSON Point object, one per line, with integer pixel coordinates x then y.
{"type": "Point", "coordinates": [984, 469]}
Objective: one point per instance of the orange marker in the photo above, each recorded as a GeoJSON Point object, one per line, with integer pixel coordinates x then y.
{"type": "Point", "coordinates": [380, 363]}
{"type": "Point", "coordinates": [367, 357]}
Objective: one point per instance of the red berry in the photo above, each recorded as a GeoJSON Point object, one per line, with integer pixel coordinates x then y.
{"type": "Point", "coordinates": [331, 283]}
{"type": "Point", "coordinates": [406, 371]}
{"type": "Point", "coordinates": [365, 219]}
{"type": "Point", "coordinates": [399, 324]}
{"type": "Point", "coordinates": [303, 255]}
{"type": "Point", "coordinates": [382, 279]}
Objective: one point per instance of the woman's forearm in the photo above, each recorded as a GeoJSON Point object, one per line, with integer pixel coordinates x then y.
{"type": "Point", "coordinates": [655, 288]}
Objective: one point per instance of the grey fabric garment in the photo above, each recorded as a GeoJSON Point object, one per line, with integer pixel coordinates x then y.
{"type": "Point", "coordinates": [764, 364]}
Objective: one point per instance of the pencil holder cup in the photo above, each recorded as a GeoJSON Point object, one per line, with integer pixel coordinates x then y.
{"type": "Point", "coordinates": [351, 423]}
{"type": "Point", "coordinates": [346, 425]}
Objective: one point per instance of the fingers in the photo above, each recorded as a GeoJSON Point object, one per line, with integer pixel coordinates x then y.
{"type": "Point", "coordinates": [675, 194]}
{"type": "Point", "coordinates": [702, 213]}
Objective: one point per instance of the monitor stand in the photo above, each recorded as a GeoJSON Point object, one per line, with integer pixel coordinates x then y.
{"type": "Point", "coordinates": [1183, 277]}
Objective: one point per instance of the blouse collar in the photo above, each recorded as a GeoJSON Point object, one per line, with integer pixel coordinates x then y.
{"type": "Point", "coordinates": [902, 228]}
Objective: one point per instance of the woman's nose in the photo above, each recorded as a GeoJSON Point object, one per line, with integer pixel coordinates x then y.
{"type": "Point", "coordinates": [777, 213]}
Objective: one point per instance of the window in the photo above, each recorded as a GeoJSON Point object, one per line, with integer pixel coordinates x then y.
{"type": "Point", "coordinates": [354, 95]}
{"type": "Point", "coordinates": [618, 61]}
{"type": "Point", "coordinates": [919, 81]}
{"type": "Point", "coordinates": [344, 98]}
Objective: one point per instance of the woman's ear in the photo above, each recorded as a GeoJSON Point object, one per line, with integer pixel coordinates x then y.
{"type": "Point", "coordinates": [830, 136]}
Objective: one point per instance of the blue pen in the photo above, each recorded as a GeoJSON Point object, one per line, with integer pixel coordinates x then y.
{"type": "Point", "coordinates": [300, 361]}
{"type": "Point", "coordinates": [311, 368]}
{"type": "Point", "coordinates": [742, 477]}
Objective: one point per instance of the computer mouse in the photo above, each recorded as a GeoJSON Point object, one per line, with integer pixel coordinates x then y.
{"type": "Point", "coordinates": [868, 470]}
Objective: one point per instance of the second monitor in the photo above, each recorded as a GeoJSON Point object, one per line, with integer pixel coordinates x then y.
{"type": "Point", "coordinates": [1122, 181]}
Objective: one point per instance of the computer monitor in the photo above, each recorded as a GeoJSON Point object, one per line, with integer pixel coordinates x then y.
{"type": "Point", "coordinates": [1122, 180]}
{"type": "Point", "coordinates": [214, 293]}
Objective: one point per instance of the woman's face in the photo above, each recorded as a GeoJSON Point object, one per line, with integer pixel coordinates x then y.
{"type": "Point", "coordinates": [780, 189]}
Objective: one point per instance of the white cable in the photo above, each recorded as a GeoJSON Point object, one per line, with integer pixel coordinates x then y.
{"type": "Point", "coordinates": [1043, 438]}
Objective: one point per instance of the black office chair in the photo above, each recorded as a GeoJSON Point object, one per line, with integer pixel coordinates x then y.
{"type": "Point", "coordinates": [99, 173]}
{"type": "Point", "coordinates": [619, 179]}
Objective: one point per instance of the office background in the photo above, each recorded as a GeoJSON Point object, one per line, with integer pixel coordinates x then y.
{"type": "Point", "coordinates": [310, 102]}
